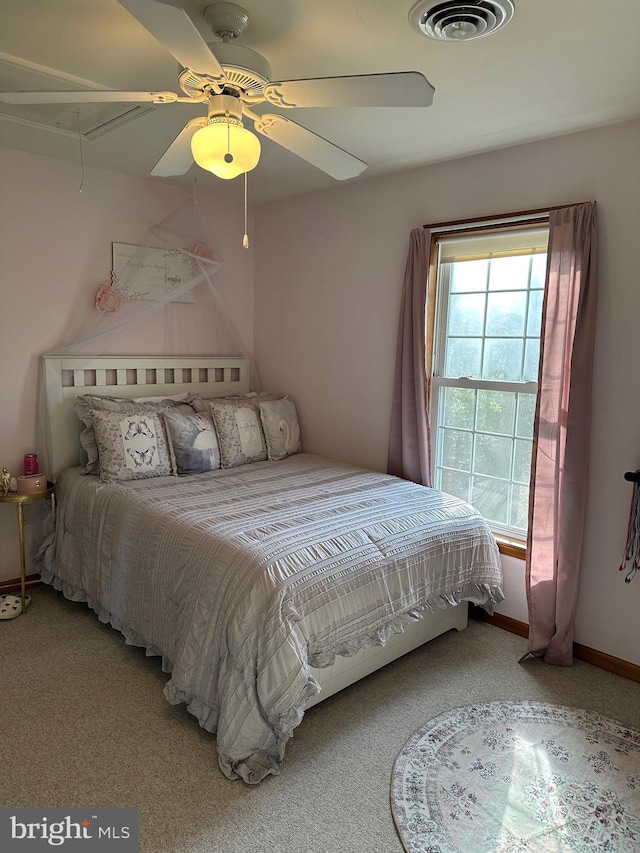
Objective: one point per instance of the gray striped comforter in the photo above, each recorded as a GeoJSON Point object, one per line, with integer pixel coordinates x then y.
{"type": "Point", "coordinates": [243, 578]}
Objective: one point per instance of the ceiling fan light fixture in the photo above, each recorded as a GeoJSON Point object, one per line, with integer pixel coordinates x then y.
{"type": "Point", "coordinates": [225, 148]}
{"type": "Point", "coordinates": [233, 79]}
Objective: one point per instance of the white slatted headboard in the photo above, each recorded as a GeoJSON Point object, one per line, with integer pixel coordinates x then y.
{"type": "Point", "coordinates": [67, 377]}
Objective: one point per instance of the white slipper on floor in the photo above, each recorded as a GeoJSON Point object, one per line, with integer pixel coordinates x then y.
{"type": "Point", "coordinates": [11, 605]}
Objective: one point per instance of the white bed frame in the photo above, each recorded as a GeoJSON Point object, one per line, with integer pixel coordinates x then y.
{"type": "Point", "coordinates": [67, 377]}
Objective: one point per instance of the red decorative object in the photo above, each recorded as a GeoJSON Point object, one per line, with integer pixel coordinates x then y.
{"type": "Point", "coordinates": [203, 251]}
{"type": "Point", "coordinates": [30, 464]}
{"type": "Point", "coordinates": [108, 299]}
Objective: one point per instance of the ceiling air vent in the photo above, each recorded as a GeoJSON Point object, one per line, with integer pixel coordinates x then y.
{"type": "Point", "coordinates": [456, 20]}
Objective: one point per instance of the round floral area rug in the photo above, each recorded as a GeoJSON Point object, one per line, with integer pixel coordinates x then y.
{"type": "Point", "coordinates": [519, 777]}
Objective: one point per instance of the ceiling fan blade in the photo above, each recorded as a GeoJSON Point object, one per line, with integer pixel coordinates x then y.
{"type": "Point", "coordinates": [178, 159]}
{"type": "Point", "coordinates": [311, 147]}
{"type": "Point", "coordinates": [87, 96]}
{"type": "Point", "coordinates": [175, 30]}
{"type": "Point", "coordinates": [401, 89]}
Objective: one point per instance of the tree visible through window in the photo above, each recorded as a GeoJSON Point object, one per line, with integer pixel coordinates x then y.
{"type": "Point", "coordinates": [485, 370]}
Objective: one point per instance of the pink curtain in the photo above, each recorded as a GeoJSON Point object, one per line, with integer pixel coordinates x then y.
{"type": "Point", "coordinates": [561, 434]}
{"type": "Point", "coordinates": [409, 439]}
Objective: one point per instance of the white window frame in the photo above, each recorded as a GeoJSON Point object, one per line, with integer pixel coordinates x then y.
{"type": "Point", "coordinates": [438, 382]}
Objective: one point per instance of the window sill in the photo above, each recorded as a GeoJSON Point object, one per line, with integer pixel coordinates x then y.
{"type": "Point", "coordinates": [511, 547]}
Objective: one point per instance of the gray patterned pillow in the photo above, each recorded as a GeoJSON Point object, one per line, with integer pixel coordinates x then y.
{"type": "Point", "coordinates": [281, 428]}
{"type": "Point", "coordinates": [131, 447]}
{"type": "Point", "coordinates": [239, 430]}
{"type": "Point", "coordinates": [201, 404]}
{"type": "Point", "coordinates": [193, 444]}
{"type": "Point", "coordinates": [87, 402]}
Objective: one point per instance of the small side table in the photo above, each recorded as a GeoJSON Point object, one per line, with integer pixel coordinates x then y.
{"type": "Point", "coordinates": [21, 500]}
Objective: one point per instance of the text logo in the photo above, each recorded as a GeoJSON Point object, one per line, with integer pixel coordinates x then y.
{"type": "Point", "coordinates": [108, 830]}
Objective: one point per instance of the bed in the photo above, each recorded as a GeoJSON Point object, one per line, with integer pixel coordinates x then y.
{"type": "Point", "coordinates": [264, 588]}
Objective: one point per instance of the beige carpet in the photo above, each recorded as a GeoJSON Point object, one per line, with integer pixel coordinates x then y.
{"type": "Point", "coordinates": [84, 722]}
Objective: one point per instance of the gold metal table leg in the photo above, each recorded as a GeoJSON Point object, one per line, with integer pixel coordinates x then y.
{"type": "Point", "coordinates": [23, 570]}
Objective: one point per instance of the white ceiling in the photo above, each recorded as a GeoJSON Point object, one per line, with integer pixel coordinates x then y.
{"type": "Point", "coordinates": [558, 66]}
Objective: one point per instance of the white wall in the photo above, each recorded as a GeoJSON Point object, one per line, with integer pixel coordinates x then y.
{"type": "Point", "coordinates": [329, 268]}
{"type": "Point", "coordinates": [55, 251]}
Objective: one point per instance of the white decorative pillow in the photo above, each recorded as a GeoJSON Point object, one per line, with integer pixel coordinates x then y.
{"type": "Point", "coordinates": [131, 447]}
{"type": "Point", "coordinates": [239, 431]}
{"type": "Point", "coordinates": [281, 428]}
{"type": "Point", "coordinates": [87, 402]}
{"type": "Point", "coordinates": [193, 444]}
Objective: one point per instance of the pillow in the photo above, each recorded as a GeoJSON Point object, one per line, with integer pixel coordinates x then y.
{"type": "Point", "coordinates": [193, 444]}
{"type": "Point", "coordinates": [86, 402]}
{"type": "Point", "coordinates": [131, 447]}
{"type": "Point", "coordinates": [239, 430]}
{"type": "Point", "coordinates": [201, 404]}
{"type": "Point", "coordinates": [281, 429]}
{"type": "Point", "coordinates": [177, 398]}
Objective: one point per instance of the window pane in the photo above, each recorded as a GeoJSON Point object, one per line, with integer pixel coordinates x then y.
{"type": "Point", "coordinates": [469, 276]}
{"type": "Point", "coordinates": [522, 462]}
{"type": "Point", "coordinates": [457, 407]}
{"type": "Point", "coordinates": [491, 498]}
{"type": "Point", "coordinates": [534, 317]}
{"type": "Point", "coordinates": [502, 359]}
{"type": "Point", "coordinates": [466, 314]}
{"type": "Point", "coordinates": [526, 413]}
{"type": "Point", "coordinates": [538, 270]}
{"type": "Point", "coordinates": [488, 329]}
{"type": "Point", "coordinates": [509, 273]}
{"type": "Point", "coordinates": [531, 359]}
{"type": "Point", "coordinates": [456, 449]}
{"type": "Point", "coordinates": [455, 483]}
{"type": "Point", "coordinates": [520, 507]}
{"type": "Point", "coordinates": [496, 410]}
{"type": "Point", "coordinates": [493, 456]}
{"type": "Point", "coordinates": [463, 357]}
{"type": "Point", "coordinates": [506, 314]}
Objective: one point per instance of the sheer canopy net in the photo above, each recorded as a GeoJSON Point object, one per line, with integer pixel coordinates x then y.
{"type": "Point", "coordinates": [164, 299]}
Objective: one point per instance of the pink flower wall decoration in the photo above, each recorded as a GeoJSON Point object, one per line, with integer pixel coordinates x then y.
{"type": "Point", "coordinates": [108, 299]}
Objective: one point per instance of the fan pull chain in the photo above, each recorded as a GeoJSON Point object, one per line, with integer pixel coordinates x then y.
{"type": "Point", "coordinates": [245, 239]}
{"type": "Point", "coordinates": [81, 155]}
{"type": "Point", "coordinates": [228, 157]}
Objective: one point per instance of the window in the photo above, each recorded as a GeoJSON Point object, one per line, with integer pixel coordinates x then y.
{"type": "Point", "coordinates": [486, 349]}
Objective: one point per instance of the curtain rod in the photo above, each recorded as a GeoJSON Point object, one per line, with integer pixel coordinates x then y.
{"type": "Point", "coordinates": [519, 213]}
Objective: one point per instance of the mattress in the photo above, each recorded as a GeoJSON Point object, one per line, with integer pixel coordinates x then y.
{"type": "Point", "coordinates": [244, 578]}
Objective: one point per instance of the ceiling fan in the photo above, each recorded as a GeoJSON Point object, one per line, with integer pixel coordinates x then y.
{"type": "Point", "coordinates": [232, 79]}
